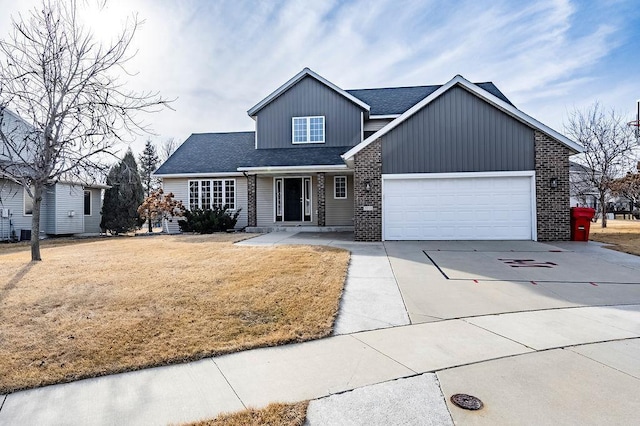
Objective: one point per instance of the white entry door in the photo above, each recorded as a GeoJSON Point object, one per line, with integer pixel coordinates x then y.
{"type": "Point", "coordinates": [465, 206]}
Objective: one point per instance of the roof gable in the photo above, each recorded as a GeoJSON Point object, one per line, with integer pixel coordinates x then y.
{"type": "Point", "coordinates": [293, 81]}
{"type": "Point", "coordinates": [496, 101]}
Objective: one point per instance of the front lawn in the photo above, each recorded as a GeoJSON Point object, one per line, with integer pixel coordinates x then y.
{"type": "Point", "coordinates": [118, 304]}
{"type": "Point", "coordinates": [621, 235]}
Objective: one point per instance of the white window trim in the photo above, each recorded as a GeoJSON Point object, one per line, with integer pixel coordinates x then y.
{"type": "Point", "coordinates": [335, 183]}
{"type": "Point", "coordinates": [307, 195]}
{"type": "Point", "coordinates": [224, 192]}
{"type": "Point", "coordinates": [197, 182]}
{"type": "Point", "coordinates": [308, 119]}
{"type": "Point", "coordinates": [25, 195]}
{"type": "Point", "coordinates": [90, 202]}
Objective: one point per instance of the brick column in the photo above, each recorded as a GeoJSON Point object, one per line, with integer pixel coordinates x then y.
{"type": "Point", "coordinates": [552, 204]}
{"type": "Point", "coordinates": [321, 199]}
{"type": "Point", "coordinates": [368, 203]}
{"type": "Point", "coordinates": [252, 218]}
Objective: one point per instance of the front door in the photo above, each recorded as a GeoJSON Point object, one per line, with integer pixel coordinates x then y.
{"type": "Point", "coordinates": [293, 200]}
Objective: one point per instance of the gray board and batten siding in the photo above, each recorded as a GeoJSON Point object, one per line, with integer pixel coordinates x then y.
{"type": "Point", "coordinates": [309, 97]}
{"type": "Point", "coordinates": [458, 132]}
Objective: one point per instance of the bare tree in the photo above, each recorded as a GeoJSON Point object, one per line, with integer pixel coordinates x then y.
{"type": "Point", "coordinates": [166, 148]}
{"type": "Point", "coordinates": [73, 108]}
{"type": "Point", "coordinates": [609, 144]}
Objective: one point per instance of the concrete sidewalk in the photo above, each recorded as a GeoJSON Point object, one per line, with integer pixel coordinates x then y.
{"type": "Point", "coordinates": [333, 365]}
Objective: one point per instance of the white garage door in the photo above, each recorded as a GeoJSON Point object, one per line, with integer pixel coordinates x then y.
{"type": "Point", "coordinates": [473, 207]}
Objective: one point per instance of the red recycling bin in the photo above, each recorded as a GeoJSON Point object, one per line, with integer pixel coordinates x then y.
{"type": "Point", "coordinates": [580, 223]}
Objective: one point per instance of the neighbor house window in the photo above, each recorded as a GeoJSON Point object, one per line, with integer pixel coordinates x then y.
{"type": "Point", "coordinates": [87, 203]}
{"type": "Point", "coordinates": [204, 194]}
{"type": "Point", "coordinates": [340, 187]}
{"type": "Point", "coordinates": [28, 202]}
{"type": "Point", "coordinates": [307, 129]}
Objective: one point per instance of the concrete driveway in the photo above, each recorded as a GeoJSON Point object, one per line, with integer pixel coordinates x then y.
{"type": "Point", "coordinates": [457, 279]}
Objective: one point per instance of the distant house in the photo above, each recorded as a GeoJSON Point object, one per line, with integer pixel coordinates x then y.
{"type": "Point", "coordinates": [444, 162]}
{"type": "Point", "coordinates": [583, 193]}
{"type": "Point", "coordinates": [67, 207]}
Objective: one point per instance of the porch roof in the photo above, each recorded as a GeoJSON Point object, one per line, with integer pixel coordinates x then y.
{"type": "Point", "coordinates": [208, 153]}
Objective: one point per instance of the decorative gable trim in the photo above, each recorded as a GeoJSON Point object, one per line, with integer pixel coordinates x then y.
{"type": "Point", "coordinates": [302, 74]}
{"type": "Point", "coordinates": [495, 101]}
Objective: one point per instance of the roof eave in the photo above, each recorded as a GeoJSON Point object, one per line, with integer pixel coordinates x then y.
{"type": "Point", "coordinates": [294, 169]}
{"type": "Point", "coordinates": [295, 79]}
{"type": "Point", "coordinates": [195, 174]}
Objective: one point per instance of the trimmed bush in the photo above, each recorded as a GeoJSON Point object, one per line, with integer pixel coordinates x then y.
{"type": "Point", "coordinates": [208, 221]}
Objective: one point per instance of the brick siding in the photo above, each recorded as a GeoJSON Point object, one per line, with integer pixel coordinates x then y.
{"type": "Point", "coordinates": [552, 204]}
{"type": "Point", "coordinates": [321, 199]}
{"type": "Point", "coordinates": [368, 169]}
{"type": "Point", "coordinates": [252, 214]}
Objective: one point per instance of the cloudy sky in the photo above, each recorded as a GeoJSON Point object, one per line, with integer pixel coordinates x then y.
{"type": "Point", "coordinates": [219, 58]}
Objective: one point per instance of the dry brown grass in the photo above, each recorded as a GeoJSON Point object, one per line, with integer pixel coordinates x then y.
{"type": "Point", "coordinates": [121, 304]}
{"type": "Point", "coordinates": [621, 235]}
{"type": "Point", "coordinates": [272, 415]}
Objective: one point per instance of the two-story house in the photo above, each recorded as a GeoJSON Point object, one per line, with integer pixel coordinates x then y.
{"type": "Point", "coordinates": [446, 162]}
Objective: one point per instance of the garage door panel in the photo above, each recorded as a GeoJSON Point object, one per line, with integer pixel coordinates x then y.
{"type": "Point", "coordinates": [458, 208]}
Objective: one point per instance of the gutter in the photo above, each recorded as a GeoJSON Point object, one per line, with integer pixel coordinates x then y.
{"type": "Point", "coordinates": [294, 169]}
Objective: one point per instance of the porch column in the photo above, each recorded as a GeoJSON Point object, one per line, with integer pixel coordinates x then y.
{"type": "Point", "coordinates": [321, 200]}
{"type": "Point", "coordinates": [252, 218]}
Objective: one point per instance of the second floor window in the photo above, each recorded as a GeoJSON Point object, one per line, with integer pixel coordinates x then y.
{"type": "Point", "coordinates": [307, 129]}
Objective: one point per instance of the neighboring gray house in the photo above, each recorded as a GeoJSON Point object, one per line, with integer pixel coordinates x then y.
{"type": "Point", "coordinates": [445, 162]}
{"type": "Point", "coordinates": [67, 207]}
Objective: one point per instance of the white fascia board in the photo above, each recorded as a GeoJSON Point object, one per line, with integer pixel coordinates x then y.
{"type": "Point", "coordinates": [83, 184]}
{"type": "Point", "coordinates": [458, 175]}
{"type": "Point", "coordinates": [196, 175]}
{"type": "Point", "coordinates": [461, 81]}
{"type": "Point", "coordinates": [305, 72]}
{"type": "Point", "coordinates": [382, 117]}
{"type": "Point", "coordinates": [294, 169]}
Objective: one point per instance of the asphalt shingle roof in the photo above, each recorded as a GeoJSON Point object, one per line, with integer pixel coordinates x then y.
{"type": "Point", "coordinates": [396, 100]}
{"type": "Point", "coordinates": [225, 152]}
